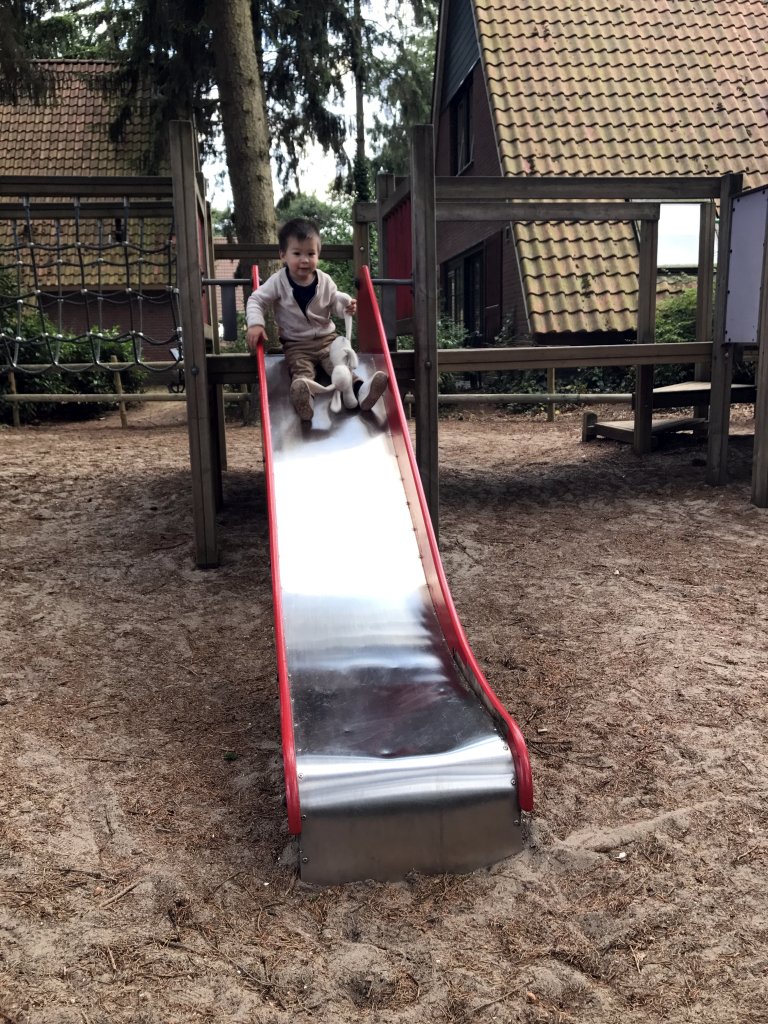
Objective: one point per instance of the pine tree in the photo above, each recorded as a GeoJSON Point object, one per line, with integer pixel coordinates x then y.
{"type": "Point", "coordinates": [263, 74]}
{"type": "Point", "coordinates": [404, 78]}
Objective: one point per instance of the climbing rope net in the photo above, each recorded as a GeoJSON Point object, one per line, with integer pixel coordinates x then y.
{"type": "Point", "coordinates": [78, 278]}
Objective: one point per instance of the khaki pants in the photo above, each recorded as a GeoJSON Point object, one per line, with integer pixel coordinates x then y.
{"type": "Point", "coordinates": [304, 357]}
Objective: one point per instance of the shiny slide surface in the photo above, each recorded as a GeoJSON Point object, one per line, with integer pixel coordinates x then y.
{"type": "Point", "coordinates": [398, 757]}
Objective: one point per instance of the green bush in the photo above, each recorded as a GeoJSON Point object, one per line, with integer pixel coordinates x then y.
{"type": "Point", "coordinates": [19, 319]}
{"type": "Point", "coordinates": [676, 318]}
{"type": "Point", "coordinates": [65, 382]}
{"type": "Point", "coordinates": [676, 322]}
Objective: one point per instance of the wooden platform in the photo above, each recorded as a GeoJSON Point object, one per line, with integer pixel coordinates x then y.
{"type": "Point", "coordinates": [624, 430]}
{"type": "Point", "coordinates": [696, 393]}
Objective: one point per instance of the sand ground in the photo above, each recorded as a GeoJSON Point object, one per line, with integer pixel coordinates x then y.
{"type": "Point", "coordinates": [618, 607]}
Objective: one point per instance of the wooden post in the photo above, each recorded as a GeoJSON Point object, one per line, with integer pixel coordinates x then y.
{"type": "Point", "coordinates": [15, 407]}
{"type": "Point", "coordinates": [187, 205]}
{"type": "Point", "coordinates": [646, 334]}
{"type": "Point", "coordinates": [551, 390]}
{"type": "Point", "coordinates": [385, 186]}
{"type": "Point", "coordinates": [424, 239]}
{"type": "Point", "coordinates": [119, 391]}
{"type": "Point", "coordinates": [361, 246]}
{"type": "Point", "coordinates": [760, 455]}
{"type": "Point", "coordinates": [218, 423]}
{"type": "Point", "coordinates": [722, 354]}
{"type": "Point", "coordinates": [705, 287]}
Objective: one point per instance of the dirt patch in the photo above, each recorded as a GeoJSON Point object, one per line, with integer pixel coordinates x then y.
{"type": "Point", "coordinates": [618, 607]}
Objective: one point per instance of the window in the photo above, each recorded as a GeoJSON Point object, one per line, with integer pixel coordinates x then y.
{"type": "Point", "coordinates": [461, 129]}
{"type": "Point", "coordinates": [463, 291]}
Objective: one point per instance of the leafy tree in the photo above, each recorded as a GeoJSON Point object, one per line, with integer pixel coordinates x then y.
{"type": "Point", "coordinates": [29, 30]}
{"type": "Point", "coordinates": [676, 318]}
{"type": "Point", "coordinates": [263, 73]}
{"type": "Point", "coordinates": [404, 79]}
{"type": "Point", "coordinates": [334, 218]}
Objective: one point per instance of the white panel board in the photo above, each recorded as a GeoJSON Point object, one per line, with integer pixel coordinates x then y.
{"type": "Point", "coordinates": [750, 215]}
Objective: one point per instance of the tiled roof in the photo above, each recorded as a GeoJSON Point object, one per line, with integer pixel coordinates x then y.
{"type": "Point", "coordinates": [70, 134]}
{"type": "Point", "coordinates": [618, 87]}
{"type": "Point", "coordinates": [574, 279]}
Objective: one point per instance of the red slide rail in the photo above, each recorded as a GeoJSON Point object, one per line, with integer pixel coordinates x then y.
{"type": "Point", "coordinates": [293, 805]}
{"type": "Point", "coordinates": [372, 338]}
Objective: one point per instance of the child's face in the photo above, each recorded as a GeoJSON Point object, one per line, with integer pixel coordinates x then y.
{"type": "Point", "coordinates": [301, 258]}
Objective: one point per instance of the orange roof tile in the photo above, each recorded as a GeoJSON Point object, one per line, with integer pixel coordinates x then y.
{"type": "Point", "coordinates": [70, 134]}
{"type": "Point", "coordinates": [618, 87]}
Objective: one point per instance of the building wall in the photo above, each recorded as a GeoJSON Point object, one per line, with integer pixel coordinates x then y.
{"type": "Point", "coordinates": [514, 315]}
{"type": "Point", "coordinates": [503, 289]}
{"type": "Point", "coordinates": [157, 319]}
{"type": "Point", "coordinates": [461, 46]}
{"type": "Point", "coordinates": [454, 238]}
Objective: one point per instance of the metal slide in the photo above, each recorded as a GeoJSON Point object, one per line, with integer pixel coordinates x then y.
{"type": "Point", "coordinates": [398, 757]}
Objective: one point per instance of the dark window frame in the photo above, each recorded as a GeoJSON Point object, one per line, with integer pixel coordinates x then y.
{"type": "Point", "coordinates": [464, 292]}
{"type": "Point", "coordinates": [462, 129]}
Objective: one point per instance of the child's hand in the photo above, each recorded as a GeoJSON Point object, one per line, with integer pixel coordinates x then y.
{"type": "Point", "coordinates": [351, 308]}
{"type": "Point", "coordinates": [253, 336]}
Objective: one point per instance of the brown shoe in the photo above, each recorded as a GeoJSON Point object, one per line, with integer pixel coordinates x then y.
{"type": "Point", "coordinates": [371, 392]}
{"type": "Point", "coordinates": [301, 399]}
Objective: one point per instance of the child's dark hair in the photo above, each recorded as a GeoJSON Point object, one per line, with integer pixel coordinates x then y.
{"type": "Point", "coordinates": [299, 228]}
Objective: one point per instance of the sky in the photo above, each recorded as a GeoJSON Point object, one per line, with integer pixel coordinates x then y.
{"type": "Point", "coordinates": [679, 235]}
{"type": "Point", "coordinates": [678, 225]}
{"type": "Point", "coordinates": [317, 171]}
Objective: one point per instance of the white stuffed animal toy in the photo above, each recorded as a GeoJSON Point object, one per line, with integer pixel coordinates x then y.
{"type": "Point", "coordinates": [343, 360]}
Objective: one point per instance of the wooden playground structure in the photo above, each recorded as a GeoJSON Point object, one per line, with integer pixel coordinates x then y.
{"type": "Point", "coordinates": [732, 305]}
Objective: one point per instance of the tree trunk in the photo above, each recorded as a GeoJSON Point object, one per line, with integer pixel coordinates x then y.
{"type": "Point", "coordinates": [244, 119]}
{"type": "Point", "coordinates": [362, 191]}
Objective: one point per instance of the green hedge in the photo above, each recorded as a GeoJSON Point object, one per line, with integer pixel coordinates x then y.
{"type": "Point", "coordinates": [86, 382]}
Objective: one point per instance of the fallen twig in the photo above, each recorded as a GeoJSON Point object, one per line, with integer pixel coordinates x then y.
{"type": "Point", "coordinates": [91, 874]}
{"type": "Point", "coordinates": [493, 1002]}
{"type": "Point", "coordinates": [119, 895]}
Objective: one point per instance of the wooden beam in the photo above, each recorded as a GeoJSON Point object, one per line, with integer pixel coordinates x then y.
{"type": "Point", "coordinates": [425, 300]}
{"type": "Point", "coordinates": [500, 210]}
{"type": "Point", "coordinates": [269, 251]}
{"type": "Point", "coordinates": [722, 354]}
{"type": "Point", "coordinates": [44, 185]}
{"type": "Point", "coordinates": [760, 455]}
{"type": "Point", "coordinates": [705, 291]}
{"type": "Point", "coordinates": [680, 189]}
{"type": "Point", "coordinates": [187, 204]}
{"type": "Point", "coordinates": [66, 210]}
{"type": "Point", "coordinates": [240, 367]}
{"type": "Point", "coordinates": [646, 332]}
{"type": "Point", "coordinates": [394, 199]}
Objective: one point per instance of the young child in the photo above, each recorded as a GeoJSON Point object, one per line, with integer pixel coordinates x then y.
{"type": "Point", "coordinates": [303, 299]}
